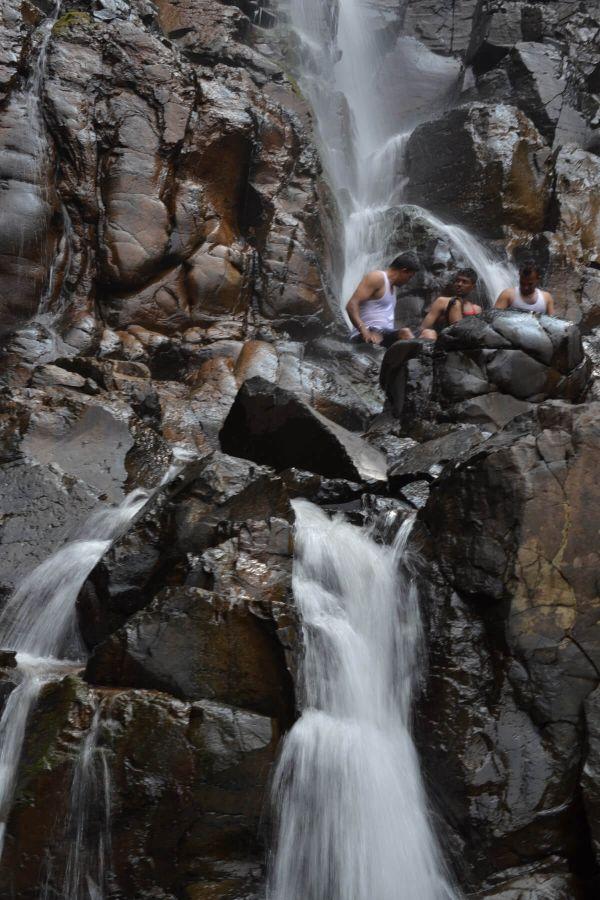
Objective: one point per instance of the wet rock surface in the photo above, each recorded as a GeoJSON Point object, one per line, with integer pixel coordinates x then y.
{"type": "Point", "coordinates": [486, 369]}
{"type": "Point", "coordinates": [519, 619]}
{"type": "Point", "coordinates": [165, 254]}
{"type": "Point", "coordinates": [178, 772]}
{"type": "Point", "coordinates": [270, 425]}
{"type": "Point", "coordinates": [500, 160]}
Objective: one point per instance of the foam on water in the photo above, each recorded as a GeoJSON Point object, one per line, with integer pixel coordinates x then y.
{"type": "Point", "coordinates": [351, 812]}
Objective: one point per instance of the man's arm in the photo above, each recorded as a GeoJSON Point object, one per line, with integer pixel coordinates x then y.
{"type": "Point", "coordinates": [436, 309]}
{"type": "Point", "coordinates": [503, 301]}
{"type": "Point", "coordinates": [549, 303]}
{"type": "Point", "coordinates": [369, 285]}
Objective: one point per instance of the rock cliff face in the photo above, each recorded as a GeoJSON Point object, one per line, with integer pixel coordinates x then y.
{"type": "Point", "coordinates": [165, 246]}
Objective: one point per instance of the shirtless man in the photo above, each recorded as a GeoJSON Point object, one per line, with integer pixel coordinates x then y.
{"type": "Point", "coordinates": [372, 306]}
{"type": "Point", "coordinates": [527, 296]}
{"type": "Point", "coordinates": [448, 310]}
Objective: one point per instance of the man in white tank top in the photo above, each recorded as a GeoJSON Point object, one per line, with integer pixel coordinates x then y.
{"type": "Point", "coordinates": [372, 306]}
{"type": "Point", "coordinates": [527, 296]}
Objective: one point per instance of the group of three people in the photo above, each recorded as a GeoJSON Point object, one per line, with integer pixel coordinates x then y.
{"type": "Point", "coordinates": [372, 306]}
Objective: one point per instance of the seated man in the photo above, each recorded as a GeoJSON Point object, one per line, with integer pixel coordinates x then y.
{"type": "Point", "coordinates": [448, 310]}
{"type": "Point", "coordinates": [527, 296]}
{"type": "Point", "coordinates": [372, 306]}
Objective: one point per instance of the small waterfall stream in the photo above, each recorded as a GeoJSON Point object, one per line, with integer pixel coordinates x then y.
{"type": "Point", "coordinates": [39, 622]}
{"type": "Point", "coordinates": [88, 824]}
{"type": "Point", "coordinates": [350, 808]}
{"type": "Point", "coordinates": [367, 95]}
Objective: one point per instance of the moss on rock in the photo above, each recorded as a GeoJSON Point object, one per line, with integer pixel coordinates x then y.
{"type": "Point", "coordinates": [71, 19]}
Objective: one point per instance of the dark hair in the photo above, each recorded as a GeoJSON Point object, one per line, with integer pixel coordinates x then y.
{"type": "Point", "coordinates": [471, 274]}
{"type": "Point", "coordinates": [408, 261]}
{"type": "Point", "coordinates": [529, 267]}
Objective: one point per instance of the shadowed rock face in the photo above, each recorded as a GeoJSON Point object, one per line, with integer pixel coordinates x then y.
{"type": "Point", "coordinates": [161, 202]}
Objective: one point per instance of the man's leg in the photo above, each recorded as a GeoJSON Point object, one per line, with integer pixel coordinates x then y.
{"type": "Point", "coordinates": [390, 337]}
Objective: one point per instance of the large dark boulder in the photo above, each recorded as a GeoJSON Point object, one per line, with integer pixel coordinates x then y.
{"type": "Point", "coordinates": [274, 427]}
{"type": "Point", "coordinates": [185, 791]}
{"type": "Point", "coordinates": [197, 645]}
{"type": "Point", "coordinates": [515, 640]}
{"type": "Point", "coordinates": [496, 155]}
{"type": "Point", "coordinates": [486, 369]}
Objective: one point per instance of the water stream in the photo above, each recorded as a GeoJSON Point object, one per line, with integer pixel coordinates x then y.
{"type": "Point", "coordinates": [39, 622]}
{"type": "Point", "coordinates": [88, 823]}
{"type": "Point", "coordinates": [368, 90]}
{"type": "Point", "coordinates": [351, 813]}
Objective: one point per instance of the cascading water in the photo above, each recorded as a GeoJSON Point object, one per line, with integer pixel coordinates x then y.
{"type": "Point", "coordinates": [31, 136]}
{"type": "Point", "coordinates": [39, 623]}
{"type": "Point", "coordinates": [368, 93]}
{"type": "Point", "coordinates": [350, 808]}
{"type": "Point", "coordinates": [35, 228]}
{"type": "Point", "coordinates": [496, 275]}
{"type": "Point", "coordinates": [88, 824]}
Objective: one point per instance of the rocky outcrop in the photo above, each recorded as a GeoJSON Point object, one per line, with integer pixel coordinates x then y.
{"type": "Point", "coordinates": [272, 426]}
{"type": "Point", "coordinates": [512, 531]}
{"type": "Point", "coordinates": [178, 772]}
{"type": "Point", "coordinates": [165, 231]}
{"type": "Point", "coordinates": [497, 156]}
{"type": "Point", "coordinates": [486, 369]}
{"type": "Point", "coordinates": [136, 99]}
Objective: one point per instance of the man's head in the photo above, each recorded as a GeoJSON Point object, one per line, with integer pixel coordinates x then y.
{"type": "Point", "coordinates": [529, 277]}
{"type": "Point", "coordinates": [464, 282]}
{"type": "Point", "coordinates": [402, 268]}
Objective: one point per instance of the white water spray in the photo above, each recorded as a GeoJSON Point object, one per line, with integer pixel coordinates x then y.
{"type": "Point", "coordinates": [39, 623]}
{"type": "Point", "coordinates": [88, 824]}
{"type": "Point", "coordinates": [368, 93]}
{"type": "Point", "coordinates": [350, 808]}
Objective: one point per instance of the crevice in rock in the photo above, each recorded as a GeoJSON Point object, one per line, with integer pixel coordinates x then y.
{"type": "Point", "coordinates": [584, 653]}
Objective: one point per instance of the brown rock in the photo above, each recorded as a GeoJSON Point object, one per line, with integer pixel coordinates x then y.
{"type": "Point", "coordinates": [199, 646]}
{"type": "Point", "coordinates": [497, 156]}
{"type": "Point", "coordinates": [177, 772]}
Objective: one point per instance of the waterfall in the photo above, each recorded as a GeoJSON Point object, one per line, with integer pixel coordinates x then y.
{"type": "Point", "coordinates": [36, 138]}
{"type": "Point", "coordinates": [368, 91]}
{"type": "Point", "coordinates": [39, 623]}
{"type": "Point", "coordinates": [34, 228]}
{"type": "Point", "coordinates": [350, 809]}
{"type": "Point", "coordinates": [88, 824]}
{"type": "Point", "coordinates": [495, 274]}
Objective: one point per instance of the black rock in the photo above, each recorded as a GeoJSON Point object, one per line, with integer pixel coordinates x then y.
{"type": "Point", "coordinates": [274, 427]}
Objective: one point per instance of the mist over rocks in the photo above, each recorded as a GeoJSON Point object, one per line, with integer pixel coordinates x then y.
{"type": "Point", "coordinates": [170, 254]}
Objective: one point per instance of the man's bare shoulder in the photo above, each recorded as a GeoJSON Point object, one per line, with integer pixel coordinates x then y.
{"type": "Point", "coordinates": [508, 293]}
{"type": "Point", "coordinates": [546, 294]}
{"type": "Point", "coordinates": [442, 300]}
{"type": "Point", "coordinates": [374, 278]}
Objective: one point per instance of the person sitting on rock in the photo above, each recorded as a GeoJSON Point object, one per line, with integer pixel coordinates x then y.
{"type": "Point", "coordinates": [372, 306]}
{"type": "Point", "coordinates": [527, 296]}
{"type": "Point", "coordinates": [446, 310]}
